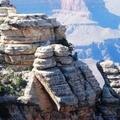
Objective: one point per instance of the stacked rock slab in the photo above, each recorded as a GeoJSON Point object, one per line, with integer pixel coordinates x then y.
{"type": "Point", "coordinates": [22, 34]}
{"type": "Point", "coordinates": [67, 83]}
{"type": "Point", "coordinates": [110, 99]}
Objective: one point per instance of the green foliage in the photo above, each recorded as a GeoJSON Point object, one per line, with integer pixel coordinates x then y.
{"type": "Point", "coordinates": [1, 21]}
{"type": "Point", "coordinates": [11, 17]}
{"type": "Point", "coordinates": [11, 84]}
{"type": "Point", "coordinates": [29, 68]}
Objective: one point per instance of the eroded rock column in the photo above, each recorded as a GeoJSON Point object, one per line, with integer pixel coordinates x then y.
{"type": "Point", "coordinates": [71, 85]}
{"type": "Point", "coordinates": [110, 99]}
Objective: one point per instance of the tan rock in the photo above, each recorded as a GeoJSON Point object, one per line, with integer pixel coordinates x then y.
{"type": "Point", "coordinates": [44, 52]}
{"type": "Point", "coordinates": [20, 49]}
{"type": "Point", "coordinates": [60, 32]}
{"type": "Point", "coordinates": [3, 10]}
{"type": "Point", "coordinates": [45, 102]}
{"type": "Point", "coordinates": [26, 35]}
{"type": "Point", "coordinates": [60, 50]}
{"type": "Point", "coordinates": [20, 60]}
{"type": "Point", "coordinates": [68, 99]}
{"type": "Point", "coordinates": [44, 63]}
{"type": "Point", "coordinates": [89, 77]}
{"type": "Point", "coordinates": [12, 10]}
{"type": "Point", "coordinates": [79, 78]}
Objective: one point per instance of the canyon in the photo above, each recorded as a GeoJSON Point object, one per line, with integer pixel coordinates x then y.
{"type": "Point", "coordinates": [40, 78]}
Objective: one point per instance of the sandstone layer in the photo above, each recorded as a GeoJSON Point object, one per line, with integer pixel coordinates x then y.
{"type": "Point", "coordinates": [21, 34]}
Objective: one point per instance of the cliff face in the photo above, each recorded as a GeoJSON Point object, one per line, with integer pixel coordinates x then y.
{"type": "Point", "coordinates": [22, 34]}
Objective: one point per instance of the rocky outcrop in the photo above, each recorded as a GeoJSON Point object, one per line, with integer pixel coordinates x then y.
{"type": "Point", "coordinates": [70, 85]}
{"type": "Point", "coordinates": [110, 98]}
{"type": "Point", "coordinates": [21, 34]}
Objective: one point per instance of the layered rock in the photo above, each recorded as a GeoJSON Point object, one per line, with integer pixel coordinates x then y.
{"type": "Point", "coordinates": [21, 34]}
{"type": "Point", "coordinates": [70, 85]}
{"type": "Point", "coordinates": [110, 98]}
{"type": "Point", "coordinates": [58, 88]}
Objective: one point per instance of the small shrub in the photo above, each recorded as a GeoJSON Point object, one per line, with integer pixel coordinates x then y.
{"type": "Point", "coordinates": [12, 84]}
{"type": "Point", "coordinates": [1, 22]}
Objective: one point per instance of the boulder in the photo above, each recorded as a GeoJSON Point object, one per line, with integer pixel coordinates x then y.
{"type": "Point", "coordinates": [44, 63]}
{"type": "Point", "coordinates": [44, 52]}
{"type": "Point", "coordinates": [60, 50]}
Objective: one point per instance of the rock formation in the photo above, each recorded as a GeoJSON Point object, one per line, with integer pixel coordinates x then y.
{"type": "Point", "coordinates": [70, 85]}
{"type": "Point", "coordinates": [57, 87]}
{"type": "Point", "coordinates": [110, 98]}
{"type": "Point", "coordinates": [21, 34]}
